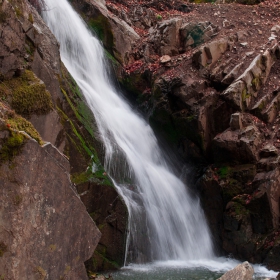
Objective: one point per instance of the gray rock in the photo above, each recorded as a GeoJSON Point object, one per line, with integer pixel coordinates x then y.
{"type": "Point", "coordinates": [164, 59]}
{"type": "Point", "coordinates": [236, 121]}
{"type": "Point", "coordinates": [275, 29]}
{"type": "Point", "coordinates": [193, 33]}
{"type": "Point", "coordinates": [166, 37]}
{"type": "Point", "coordinates": [245, 89]}
{"type": "Point", "coordinates": [45, 227]}
{"type": "Point", "coordinates": [243, 271]}
{"type": "Point", "coordinates": [268, 151]}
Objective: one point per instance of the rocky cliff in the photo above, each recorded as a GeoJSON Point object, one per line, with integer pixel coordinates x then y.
{"type": "Point", "coordinates": [50, 195]}
{"type": "Point", "coordinates": [206, 76]}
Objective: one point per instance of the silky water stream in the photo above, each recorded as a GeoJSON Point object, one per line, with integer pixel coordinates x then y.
{"type": "Point", "coordinates": [167, 228]}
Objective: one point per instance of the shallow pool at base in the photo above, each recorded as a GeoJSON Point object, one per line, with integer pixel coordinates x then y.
{"type": "Point", "coordinates": [166, 273]}
{"type": "Point", "coordinates": [194, 270]}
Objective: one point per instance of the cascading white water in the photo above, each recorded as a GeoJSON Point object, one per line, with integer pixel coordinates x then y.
{"type": "Point", "coordinates": [165, 222]}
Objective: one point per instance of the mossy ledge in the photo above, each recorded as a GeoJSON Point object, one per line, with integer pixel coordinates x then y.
{"type": "Point", "coordinates": [26, 94]}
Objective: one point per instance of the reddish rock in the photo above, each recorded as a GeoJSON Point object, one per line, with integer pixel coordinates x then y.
{"type": "Point", "coordinates": [45, 228]}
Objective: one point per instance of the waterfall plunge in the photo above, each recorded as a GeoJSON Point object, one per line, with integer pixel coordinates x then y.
{"type": "Point", "coordinates": [165, 222]}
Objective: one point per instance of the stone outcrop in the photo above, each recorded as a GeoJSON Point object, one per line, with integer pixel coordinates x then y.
{"type": "Point", "coordinates": [165, 37]}
{"type": "Point", "coordinates": [45, 229]}
{"type": "Point", "coordinates": [246, 87]}
{"type": "Point", "coordinates": [194, 34]}
{"type": "Point", "coordinates": [40, 100]}
{"type": "Point", "coordinates": [243, 271]}
{"type": "Point", "coordinates": [27, 43]}
{"type": "Point", "coordinates": [118, 37]}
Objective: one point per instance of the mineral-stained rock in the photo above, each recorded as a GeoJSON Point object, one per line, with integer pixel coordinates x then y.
{"type": "Point", "coordinates": [45, 230]}
{"type": "Point", "coordinates": [243, 271]}
{"type": "Point", "coordinates": [194, 34]}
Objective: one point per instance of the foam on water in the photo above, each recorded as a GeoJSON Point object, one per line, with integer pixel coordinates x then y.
{"type": "Point", "coordinates": [219, 265]}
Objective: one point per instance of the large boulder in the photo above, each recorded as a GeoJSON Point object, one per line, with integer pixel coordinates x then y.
{"type": "Point", "coordinates": [241, 145]}
{"type": "Point", "coordinates": [243, 271]}
{"type": "Point", "coordinates": [45, 229]}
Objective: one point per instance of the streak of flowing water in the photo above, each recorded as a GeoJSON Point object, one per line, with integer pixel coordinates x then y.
{"type": "Point", "coordinates": [166, 223]}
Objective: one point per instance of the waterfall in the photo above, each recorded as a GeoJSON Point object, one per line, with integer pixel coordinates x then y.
{"type": "Point", "coordinates": [165, 222]}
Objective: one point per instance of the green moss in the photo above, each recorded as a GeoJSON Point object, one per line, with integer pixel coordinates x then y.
{"type": "Point", "coordinates": [223, 172]}
{"type": "Point", "coordinates": [89, 151]}
{"type": "Point", "coordinates": [244, 94]}
{"type": "Point", "coordinates": [3, 248]}
{"type": "Point", "coordinates": [79, 178]}
{"type": "Point", "coordinates": [30, 18]}
{"type": "Point", "coordinates": [101, 175]}
{"type": "Point", "coordinates": [256, 83]}
{"type": "Point", "coordinates": [101, 27]}
{"type": "Point", "coordinates": [77, 102]}
{"type": "Point", "coordinates": [158, 17]}
{"type": "Point", "coordinates": [18, 11]}
{"type": "Point", "coordinates": [42, 273]}
{"type": "Point", "coordinates": [31, 96]}
{"type": "Point", "coordinates": [261, 105]}
{"type": "Point", "coordinates": [12, 146]}
{"type": "Point", "coordinates": [21, 124]}
{"type": "Point", "coordinates": [27, 94]}
{"type": "Point", "coordinates": [112, 59]}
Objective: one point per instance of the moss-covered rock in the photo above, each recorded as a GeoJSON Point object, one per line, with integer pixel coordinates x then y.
{"type": "Point", "coordinates": [27, 94]}
{"type": "Point", "coordinates": [95, 187]}
{"type": "Point", "coordinates": [12, 146]}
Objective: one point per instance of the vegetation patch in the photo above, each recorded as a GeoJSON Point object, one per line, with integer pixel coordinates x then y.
{"type": "Point", "coordinates": [101, 27]}
{"type": "Point", "coordinates": [27, 94]}
{"type": "Point", "coordinates": [12, 146]}
{"type": "Point", "coordinates": [21, 124]}
{"type": "Point", "coordinates": [42, 273]}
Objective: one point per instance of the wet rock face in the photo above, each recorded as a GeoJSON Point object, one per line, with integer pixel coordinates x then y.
{"type": "Point", "coordinates": [51, 235]}
{"type": "Point", "coordinates": [45, 229]}
{"type": "Point", "coordinates": [208, 85]}
{"type": "Point", "coordinates": [111, 219]}
{"type": "Point", "coordinates": [117, 36]}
